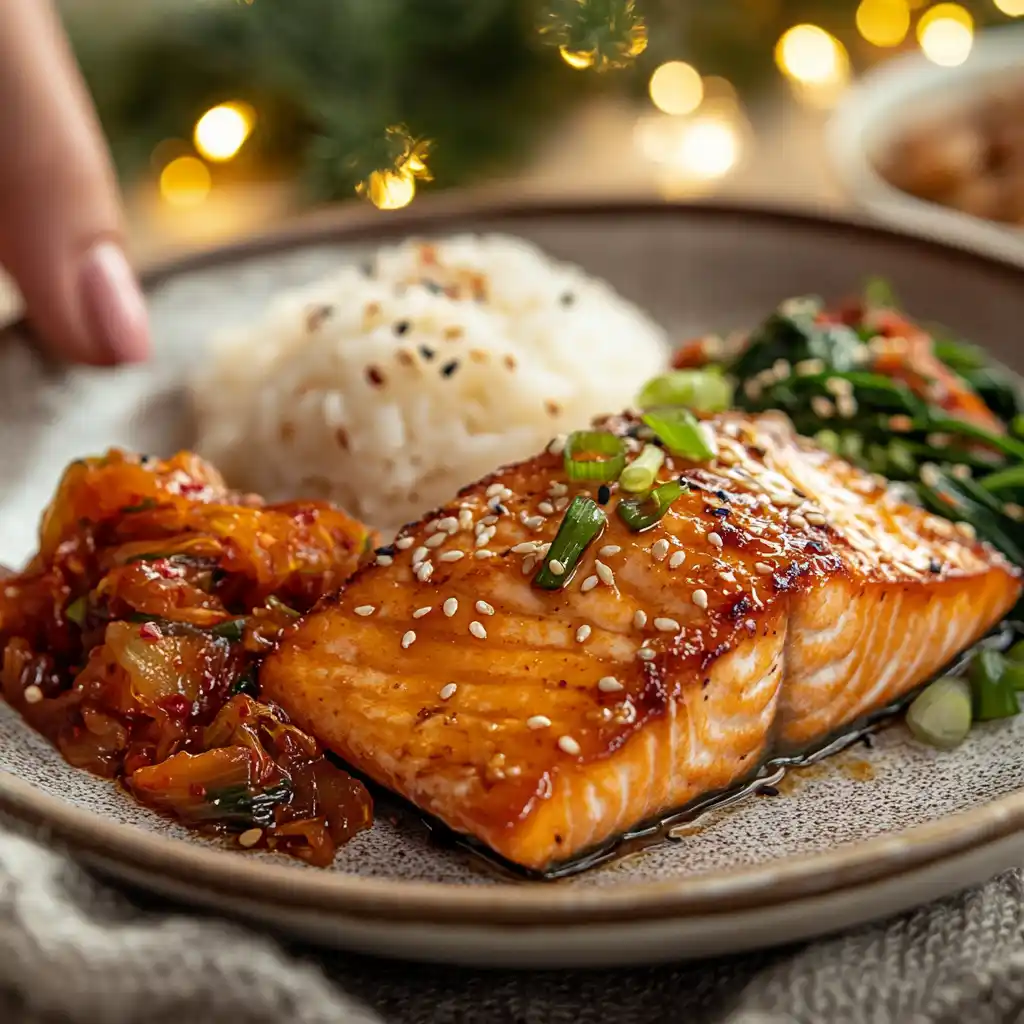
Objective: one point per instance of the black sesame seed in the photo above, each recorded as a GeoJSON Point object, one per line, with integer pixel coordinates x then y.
{"type": "Point", "coordinates": [768, 790]}
{"type": "Point", "coordinates": [567, 299]}
{"type": "Point", "coordinates": [722, 496]}
{"type": "Point", "coordinates": [499, 509]}
{"type": "Point", "coordinates": [604, 494]}
{"type": "Point", "coordinates": [934, 565]}
{"type": "Point", "coordinates": [433, 286]}
{"type": "Point", "coordinates": [427, 352]}
{"type": "Point", "coordinates": [389, 550]}
{"type": "Point", "coordinates": [449, 368]}
{"type": "Point", "coordinates": [367, 269]}
{"type": "Point", "coordinates": [720, 512]}
{"type": "Point", "coordinates": [401, 326]}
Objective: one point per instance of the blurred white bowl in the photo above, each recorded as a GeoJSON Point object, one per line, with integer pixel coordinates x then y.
{"type": "Point", "coordinates": [893, 97]}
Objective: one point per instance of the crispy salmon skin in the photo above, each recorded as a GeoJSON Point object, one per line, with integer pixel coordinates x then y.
{"type": "Point", "coordinates": [784, 596]}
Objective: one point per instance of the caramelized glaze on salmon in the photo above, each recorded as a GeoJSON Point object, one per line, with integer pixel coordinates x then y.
{"type": "Point", "coordinates": [786, 595]}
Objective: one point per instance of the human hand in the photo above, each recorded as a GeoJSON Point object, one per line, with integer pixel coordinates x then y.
{"type": "Point", "coordinates": [60, 215]}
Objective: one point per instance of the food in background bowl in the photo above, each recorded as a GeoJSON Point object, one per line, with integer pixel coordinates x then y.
{"type": "Point", "coordinates": [969, 157]}
{"type": "Point", "coordinates": [387, 387]}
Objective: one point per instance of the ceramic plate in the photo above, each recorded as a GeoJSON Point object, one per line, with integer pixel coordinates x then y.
{"type": "Point", "coordinates": [870, 831]}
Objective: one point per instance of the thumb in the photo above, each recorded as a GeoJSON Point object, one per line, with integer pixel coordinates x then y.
{"type": "Point", "coordinates": [60, 218]}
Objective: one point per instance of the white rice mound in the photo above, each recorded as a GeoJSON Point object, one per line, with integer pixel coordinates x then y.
{"type": "Point", "coordinates": [386, 388]}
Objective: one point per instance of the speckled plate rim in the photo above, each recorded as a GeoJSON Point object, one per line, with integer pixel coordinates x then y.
{"type": "Point", "coordinates": [204, 865]}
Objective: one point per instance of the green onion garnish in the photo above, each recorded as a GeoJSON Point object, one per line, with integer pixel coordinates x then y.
{"type": "Point", "coordinates": [594, 442]}
{"type": "Point", "coordinates": [681, 433]}
{"type": "Point", "coordinates": [702, 390]}
{"type": "Point", "coordinates": [583, 521]}
{"type": "Point", "coordinates": [642, 513]}
{"type": "Point", "coordinates": [641, 473]}
{"type": "Point", "coordinates": [232, 629]}
{"type": "Point", "coordinates": [279, 606]}
{"type": "Point", "coordinates": [941, 714]}
{"type": "Point", "coordinates": [994, 695]}
{"type": "Point", "coordinates": [1016, 652]}
{"type": "Point", "coordinates": [77, 611]}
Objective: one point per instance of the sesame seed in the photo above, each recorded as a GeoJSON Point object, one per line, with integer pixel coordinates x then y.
{"type": "Point", "coordinates": [700, 598]}
{"type": "Point", "coordinates": [403, 543]}
{"type": "Point", "coordinates": [483, 553]}
{"type": "Point", "coordinates": [486, 537]}
{"type": "Point", "coordinates": [433, 525]}
{"type": "Point", "coordinates": [528, 547]}
{"type": "Point", "coordinates": [419, 554]}
{"type": "Point", "coordinates": [451, 556]}
{"type": "Point", "coordinates": [568, 745]}
{"type": "Point", "coordinates": [608, 550]}
{"type": "Point", "coordinates": [529, 562]}
{"type": "Point", "coordinates": [714, 539]}
{"type": "Point", "coordinates": [420, 612]}
{"type": "Point", "coordinates": [365, 609]}
{"type": "Point", "coordinates": [677, 559]}
{"type": "Point", "coordinates": [966, 530]}
{"type": "Point", "coordinates": [659, 549]}
{"type": "Point", "coordinates": [839, 386]}
{"type": "Point", "coordinates": [487, 521]}
{"type": "Point", "coordinates": [763, 568]}
{"type": "Point", "coordinates": [484, 608]}
{"type": "Point", "coordinates": [450, 607]}
{"type": "Point", "coordinates": [447, 691]}
{"type": "Point", "coordinates": [961, 471]}
{"type": "Point", "coordinates": [250, 837]}
{"type": "Point", "coordinates": [647, 654]}
{"type": "Point", "coordinates": [435, 540]}
{"type": "Point", "coordinates": [583, 633]}
{"type": "Point", "coordinates": [665, 625]}
{"type": "Point", "coordinates": [797, 521]}
{"type": "Point", "coordinates": [930, 475]}
{"type": "Point", "coordinates": [822, 407]}
{"type": "Point", "coordinates": [557, 489]}
{"type": "Point", "coordinates": [589, 583]}
{"type": "Point", "coordinates": [409, 638]}
{"type": "Point", "coordinates": [538, 722]}
{"type": "Point", "coordinates": [556, 567]}
{"type": "Point", "coordinates": [533, 522]}
{"type": "Point", "coordinates": [609, 684]}
{"type": "Point", "coordinates": [465, 518]}
{"type": "Point", "coordinates": [32, 694]}
{"type": "Point", "coordinates": [815, 518]}
{"type": "Point", "coordinates": [424, 571]}
{"type": "Point", "coordinates": [639, 618]}
{"type": "Point", "coordinates": [557, 445]}
{"type": "Point", "coordinates": [449, 524]}
{"type": "Point", "coordinates": [384, 560]}
{"type": "Point", "coordinates": [561, 504]}
{"type": "Point", "coordinates": [546, 508]}
{"type": "Point", "coordinates": [477, 629]}
{"type": "Point", "coordinates": [809, 367]}
{"type": "Point", "coordinates": [494, 489]}
{"type": "Point", "coordinates": [604, 574]}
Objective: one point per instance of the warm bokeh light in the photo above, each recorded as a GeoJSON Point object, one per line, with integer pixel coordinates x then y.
{"type": "Point", "coordinates": [185, 181]}
{"type": "Point", "coordinates": [812, 56]}
{"type": "Point", "coordinates": [708, 148]}
{"type": "Point", "coordinates": [946, 34]}
{"type": "Point", "coordinates": [388, 190]}
{"type": "Point", "coordinates": [883, 22]}
{"type": "Point", "coordinates": [1014, 8]}
{"type": "Point", "coordinates": [676, 88]}
{"type": "Point", "coordinates": [221, 132]}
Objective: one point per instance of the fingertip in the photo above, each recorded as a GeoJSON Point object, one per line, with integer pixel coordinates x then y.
{"type": "Point", "coordinates": [116, 319]}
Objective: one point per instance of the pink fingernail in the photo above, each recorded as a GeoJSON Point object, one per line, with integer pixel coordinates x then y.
{"type": "Point", "coordinates": [114, 307]}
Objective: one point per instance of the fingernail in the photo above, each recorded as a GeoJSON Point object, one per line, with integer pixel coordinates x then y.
{"type": "Point", "coordinates": [114, 308]}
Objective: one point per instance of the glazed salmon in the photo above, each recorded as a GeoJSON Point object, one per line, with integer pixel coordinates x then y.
{"type": "Point", "coordinates": [781, 598]}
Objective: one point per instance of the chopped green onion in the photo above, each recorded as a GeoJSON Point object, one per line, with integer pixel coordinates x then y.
{"type": "Point", "coordinates": [829, 440]}
{"type": "Point", "coordinates": [594, 442]}
{"type": "Point", "coordinates": [641, 473]}
{"type": "Point", "coordinates": [279, 606]}
{"type": "Point", "coordinates": [583, 521]}
{"type": "Point", "coordinates": [681, 433]}
{"type": "Point", "coordinates": [994, 695]}
{"type": "Point", "coordinates": [77, 611]}
{"type": "Point", "coordinates": [941, 714]}
{"type": "Point", "coordinates": [642, 513]}
{"type": "Point", "coordinates": [1012, 476]}
{"type": "Point", "coordinates": [233, 629]}
{"type": "Point", "coordinates": [703, 390]}
{"type": "Point", "coordinates": [1016, 652]}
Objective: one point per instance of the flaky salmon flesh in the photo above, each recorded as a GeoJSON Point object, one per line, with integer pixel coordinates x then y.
{"type": "Point", "coordinates": [785, 596]}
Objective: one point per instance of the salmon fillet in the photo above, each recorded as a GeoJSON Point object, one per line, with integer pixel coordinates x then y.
{"type": "Point", "coordinates": [785, 596]}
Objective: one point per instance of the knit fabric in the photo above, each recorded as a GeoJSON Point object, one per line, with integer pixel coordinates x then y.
{"type": "Point", "coordinates": [76, 951]}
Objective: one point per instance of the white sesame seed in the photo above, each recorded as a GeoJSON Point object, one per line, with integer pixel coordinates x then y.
{"type": "Point", "coordinates": [557, 445]}
{"type": "Point", "coordinates": [488, 521]}
{"type": "Point", "coordinates": [609, 684]}
{"type": "Point", "coordinates": [659, 549]}
{"type": "Point", "coordinates": [433, 525]}
{"type": "Point", "coordinates": [419, 554]}
{"type": "Point", "coordinates": [424, 571]}
{"type": "Point", "coordinates": [700, 598]}
{"type": "Point", "coordinates": [568, 745]}
{"type": "Point", "coordinates": [449, 524]}
{"type": "Point", "coordinates": [815, 518]}
{"type": "Point", "coordinates": [447, 691]}
{"type": "Point", "coordinates": [561, 504]}
{"type": "Point", "coordinates": [483, 553]}
{"type": "Point", "coordinates": [538, 722]}
{"type": "Point", "coordinates": [608, 550]}
{"type": "Point", "coordinates": [847, 406]}
{"type": "Point", "coordinates": [404, 542]}
{"type": "Point", "coordinates": [484, 608]}
{"type": "Point", "coordinates": [384, 559]}
{"type": "Point", "coordinates": [556, 567]}
{"type": "Point", "coordinates": [528, 547]}
{"type": "Point", "coordinates": [477, 629]}
{"type": "Point", "coordinates": [466, 518]}
{"type": "Point", "coordinates": [435, 540]}
{"type": "Point", "coordinates": [797, 521]}
{"type": "Point", "coordinates": [494, 489]}
{"type": "Point", "coordinates": [665, 625]}
{"type": "Point", "coordinates": [420, 612]}
{"type": "Point", "coordinates": [589, 583]}
{"type": "Point", "coordinates": [582, 634]}
{"type": "Point", "coordinates": [543, 549]}
{"type": "Point", "coordinates": [485, 538]}
{"type": "Point", "coordinates": [809, 367]}
{"type": "Point", "coordinates": [677, 559]}
{"type": "Point", "coordinates": [966, 530]}
{"type": "Point", "coordinates": [365, 609]}
{"type": "Point", "coordinates": [557, 489]}
{"type": "Point", "coordinates": [646, 654]}
{"type": "Point", "coordinates": [529, 563]}
{"type": "Point", "coordinates": [250, 837]}
{"type": "Point", "coordinates": [450, 607]}
{"type": "Point", "coordinates": [822, 407]}
{"type": "Point", "coordinates": [714, 539]}
{"type": "Point", "coordinates": [639, 618]}
{"type": "Point", "coordinates": [533, 522]}
{"type": "Point", "coordinates": [451, 556]}
{"type": "Point", "coordinates": [839, 386]}
{"type": "Point", "coordinates": [32, 694]}
{"type": "Point", "coordinates": [546, 508]}
{"type": "Point", "coordinates": [409, 639]}
{"type": "Point", "coordinates": [763, 568]}
{"type": "Point", "coordinates": [604, 574]}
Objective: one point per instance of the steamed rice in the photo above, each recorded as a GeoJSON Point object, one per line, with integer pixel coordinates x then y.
{"type": "Point", "coordinates": [386, 388]}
